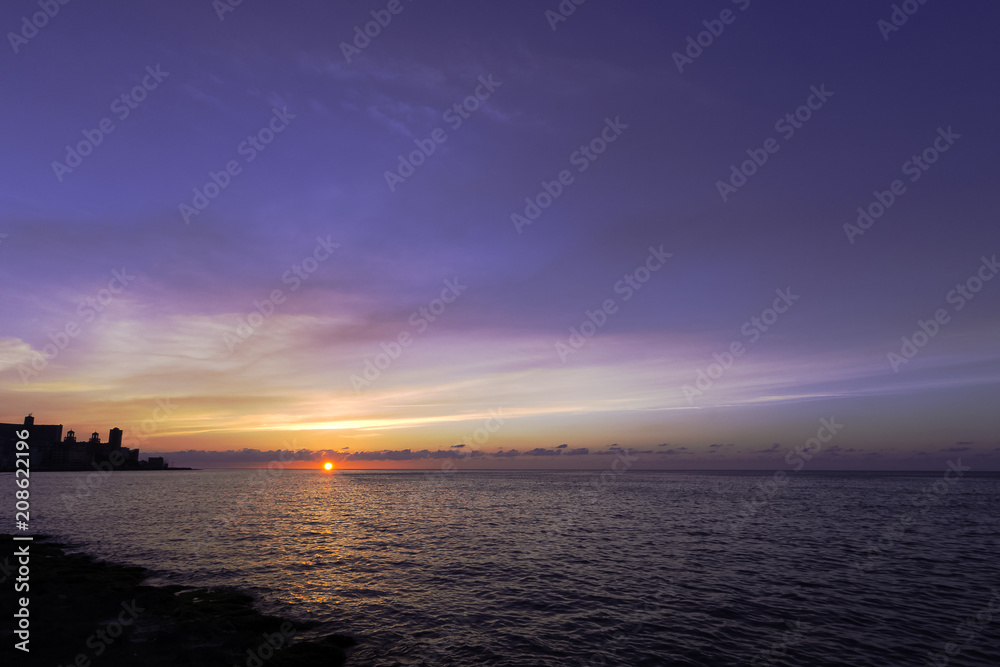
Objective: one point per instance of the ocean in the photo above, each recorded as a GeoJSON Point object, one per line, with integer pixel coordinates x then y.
{"type": "Point", "coordinates": [570, 568]}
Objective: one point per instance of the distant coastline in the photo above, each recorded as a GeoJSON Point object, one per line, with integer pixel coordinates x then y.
{"type": "Point", "coordinates": [50, 452]}
{"type": "Point", "coordinates": [123, 469]}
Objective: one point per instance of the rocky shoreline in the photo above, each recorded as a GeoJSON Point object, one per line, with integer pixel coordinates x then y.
{"type": "Point", "coordinates": [84, 611]}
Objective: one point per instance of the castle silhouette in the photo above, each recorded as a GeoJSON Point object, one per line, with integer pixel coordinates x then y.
{"type": "Point", "coordinates": [50, 451]}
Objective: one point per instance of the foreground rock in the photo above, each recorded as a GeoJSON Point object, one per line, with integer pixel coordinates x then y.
{"type": "Point", "coordinates": [85, 612]}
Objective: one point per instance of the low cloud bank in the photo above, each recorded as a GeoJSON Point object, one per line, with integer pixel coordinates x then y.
{"type": "Point", "coordinates": [235, 457]}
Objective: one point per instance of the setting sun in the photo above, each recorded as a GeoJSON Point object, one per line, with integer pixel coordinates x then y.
{"type": "Point", "coordinates": [328, 465]}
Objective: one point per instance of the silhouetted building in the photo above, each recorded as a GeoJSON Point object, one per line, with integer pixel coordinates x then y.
{"type": "Point", "coordinates": [41, 438]}
{"type": "Point", "coordinates": [48, 451]}
{"type": "Point", "coordinates": [67, 455]}
{"type": "Point", "coordinates": [99, 451]}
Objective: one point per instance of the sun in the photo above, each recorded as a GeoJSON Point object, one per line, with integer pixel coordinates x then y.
{"type": "Point", "coordinates": [328, 465]}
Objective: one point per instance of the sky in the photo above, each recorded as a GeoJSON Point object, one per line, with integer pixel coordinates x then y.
{"type": "Point", "coordinates": [519, 234]}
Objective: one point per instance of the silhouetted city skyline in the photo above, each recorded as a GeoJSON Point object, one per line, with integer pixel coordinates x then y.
{"type": "Point", "coordinates": [49, 450]}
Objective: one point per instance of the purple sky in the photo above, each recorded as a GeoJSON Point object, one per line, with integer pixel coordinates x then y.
{"type": "Point", "coordinates": [446, 259]}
